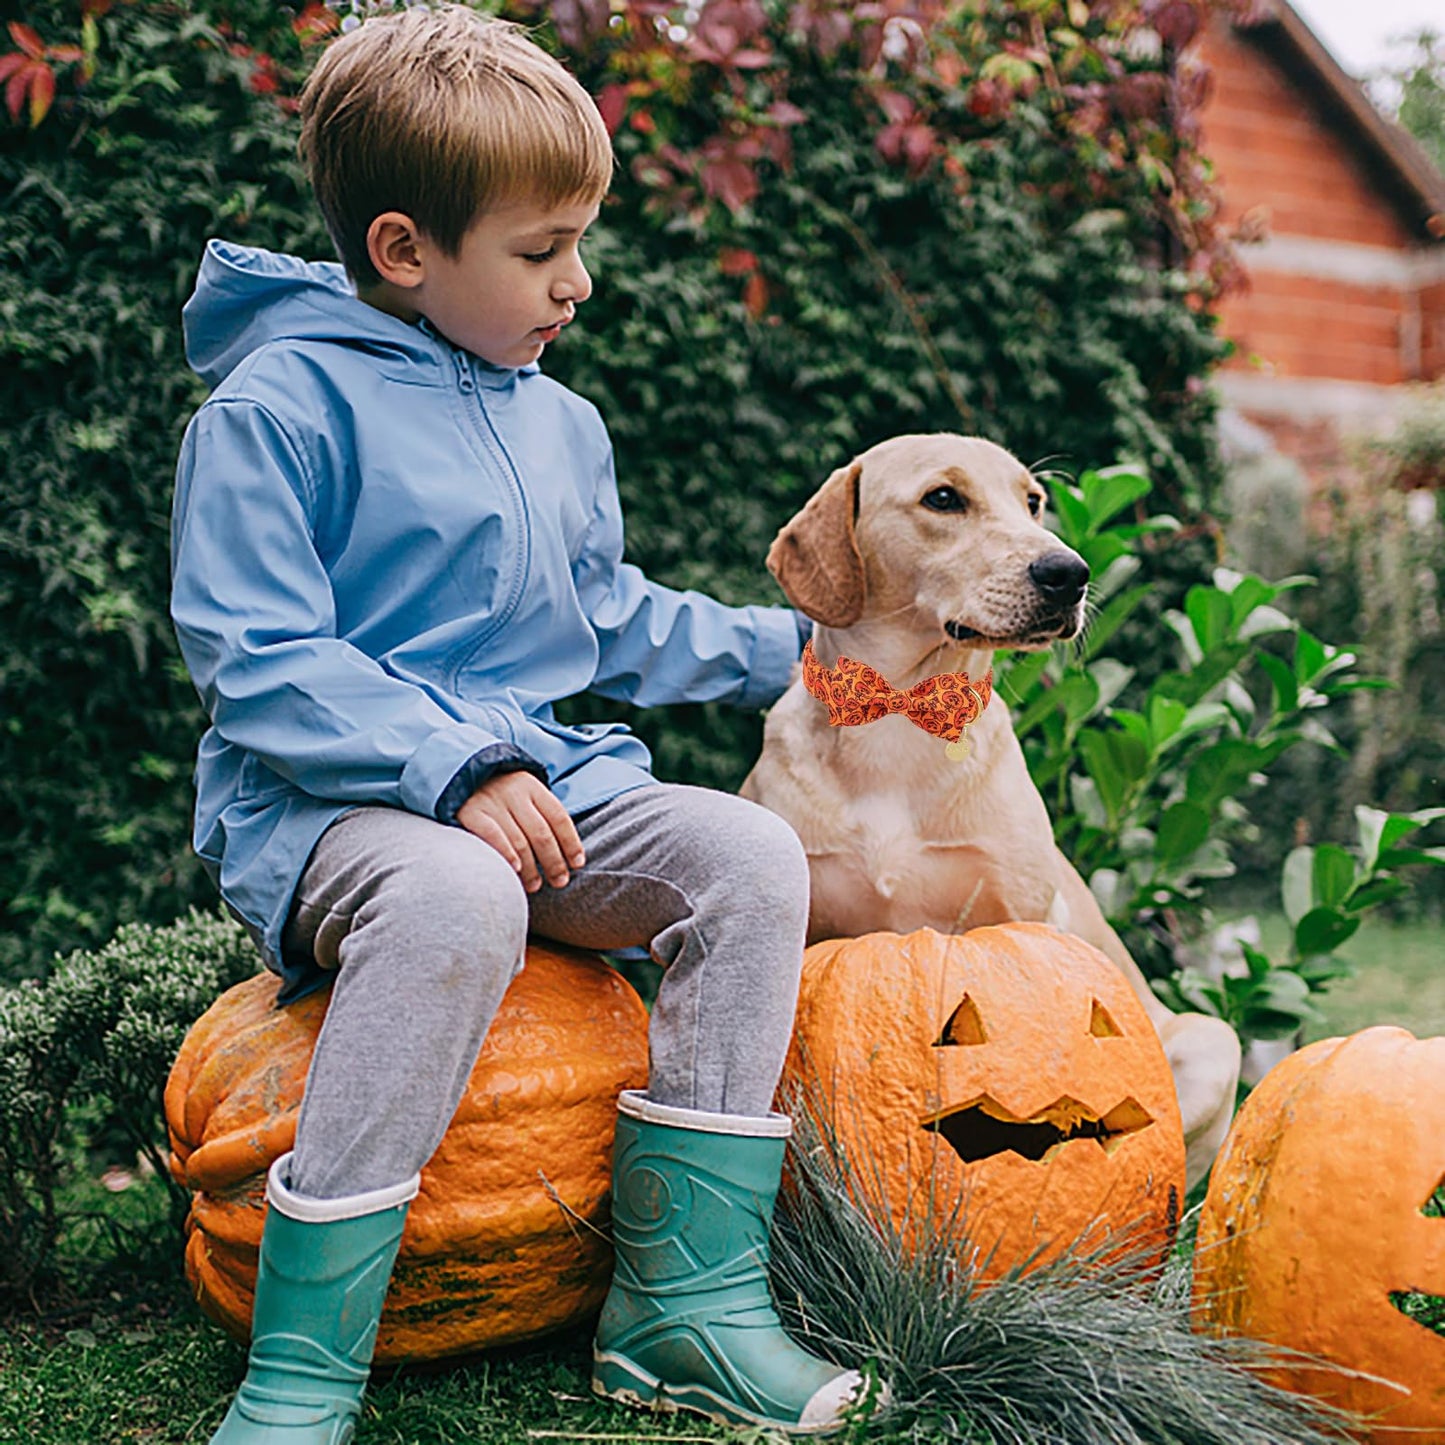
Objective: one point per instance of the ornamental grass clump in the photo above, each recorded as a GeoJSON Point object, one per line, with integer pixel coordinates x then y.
{"type": "Point", "coordinates": [1087, 1348]}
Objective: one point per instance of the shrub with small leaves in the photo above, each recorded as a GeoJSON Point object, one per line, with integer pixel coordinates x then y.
{"type": "Point", "coordinates": [101, 1032]}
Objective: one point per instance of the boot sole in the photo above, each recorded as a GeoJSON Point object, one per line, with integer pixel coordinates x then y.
{"type": "Point", "coordinates": [615, 1377]}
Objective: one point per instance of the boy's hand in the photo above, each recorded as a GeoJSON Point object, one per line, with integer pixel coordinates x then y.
{"type": "Point", "coordinates": [519, 816]}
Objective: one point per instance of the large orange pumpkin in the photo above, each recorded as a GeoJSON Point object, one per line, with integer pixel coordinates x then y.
{"type": "Point", "coordinates": [1009, 1069]}
{"type": "Point", "coordinates": [1322, 1225]}
{"type": "Point", "coordinates": [502, 1243]}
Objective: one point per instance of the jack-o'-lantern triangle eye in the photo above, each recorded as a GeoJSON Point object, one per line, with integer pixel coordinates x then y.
{"type": "Point", "coordinates": [1101, 1023]}
{"type": "Point", "coordinates": [964, 1026]}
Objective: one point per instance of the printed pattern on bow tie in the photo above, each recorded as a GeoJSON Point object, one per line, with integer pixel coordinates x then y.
{"type": "Point", "coordinates": [855, 693]}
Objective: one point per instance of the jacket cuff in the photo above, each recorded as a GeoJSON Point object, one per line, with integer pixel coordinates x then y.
{"type": "Point", "coordinates": [776, 649]}
{"type": "Point", "coordinates": [498, 758]}
{"type": "Point", "coordinates": [442, 756]}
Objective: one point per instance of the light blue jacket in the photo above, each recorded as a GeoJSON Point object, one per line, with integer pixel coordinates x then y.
{"type": "Point", "coordinates": [389, 561]}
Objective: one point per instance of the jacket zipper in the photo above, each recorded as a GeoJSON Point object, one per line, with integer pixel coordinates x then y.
{"type": "Point", "coordinates": [486, 430]}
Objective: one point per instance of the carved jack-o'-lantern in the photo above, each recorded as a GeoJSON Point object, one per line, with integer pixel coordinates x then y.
{"type": "Point", "coordinates": [1323, 1229]}
{"type": "Point", "coordinates": [1010, 1069]}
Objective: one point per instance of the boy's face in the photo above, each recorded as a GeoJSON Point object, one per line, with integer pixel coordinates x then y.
{"type": "Point", "coordinates": [516, 282]}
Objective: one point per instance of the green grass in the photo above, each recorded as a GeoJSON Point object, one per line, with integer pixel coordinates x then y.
{"type": "Point", "coordinates": [168, 1379]}
{"type": "Point", "coordinates": [1090, 1348]}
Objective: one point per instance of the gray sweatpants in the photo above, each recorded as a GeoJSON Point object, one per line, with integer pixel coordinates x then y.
{"type": "Point", "coordinates": [425, 925]}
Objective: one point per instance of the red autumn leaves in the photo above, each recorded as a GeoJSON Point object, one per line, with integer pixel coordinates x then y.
{"type": "Point", "coordinates": [28, 73]}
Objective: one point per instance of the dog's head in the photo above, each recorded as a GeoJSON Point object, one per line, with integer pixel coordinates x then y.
{"type": "Point", "coordinates": [943, 533]}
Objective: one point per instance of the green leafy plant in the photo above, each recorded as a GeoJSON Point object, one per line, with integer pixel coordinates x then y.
{"type": "Point", "coordinates": [1416, 87]}
{"type": "Point", "coordinates": [1380, 558]}
{"type": "Point", "coordinates": [156, 140]}
{"type": "Point", "coordinates": [1149, 779]}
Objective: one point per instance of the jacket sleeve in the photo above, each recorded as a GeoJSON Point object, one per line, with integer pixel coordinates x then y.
{"type": "Point", "coordinates": [658, 645]}
{"type": "Point", "coordinates": [256, 621]}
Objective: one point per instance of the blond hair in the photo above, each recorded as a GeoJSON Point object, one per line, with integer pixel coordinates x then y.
{"type": "Point", "coordinates": [443, 114]}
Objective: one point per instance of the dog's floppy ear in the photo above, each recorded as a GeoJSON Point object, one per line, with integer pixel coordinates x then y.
{"type": "Point", "coordinates": [815, 557]}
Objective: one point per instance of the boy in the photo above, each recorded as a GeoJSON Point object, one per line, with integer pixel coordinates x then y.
{"type": "Point", "coordinates": [396, 545]}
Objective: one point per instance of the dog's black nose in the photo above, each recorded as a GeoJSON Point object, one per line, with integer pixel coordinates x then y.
{"type": "Point", "coordinates": [1060, 576]}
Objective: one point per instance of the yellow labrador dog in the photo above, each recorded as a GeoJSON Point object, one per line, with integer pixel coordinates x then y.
{"type": "Point", "coordinates": [921, 557]}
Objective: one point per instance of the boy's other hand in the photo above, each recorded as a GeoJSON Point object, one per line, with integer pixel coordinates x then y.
{"type": "Point", "coordinates": [518, 815]}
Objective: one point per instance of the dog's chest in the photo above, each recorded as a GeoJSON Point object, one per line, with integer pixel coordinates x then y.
{"type": "Point", "coordinates": [904, 789]}
{"type": "Point", "coordinates": [917, 840]}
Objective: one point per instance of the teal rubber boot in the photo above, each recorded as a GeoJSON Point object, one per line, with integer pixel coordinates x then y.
{"type": "Point", "coordinates": [325, 1265]}
{"type": "Point", "coordinates": [689, 1323]}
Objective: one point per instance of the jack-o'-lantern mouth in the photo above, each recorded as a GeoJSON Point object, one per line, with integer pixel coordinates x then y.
{"type": "Point", "coordinates": [985, 1128]}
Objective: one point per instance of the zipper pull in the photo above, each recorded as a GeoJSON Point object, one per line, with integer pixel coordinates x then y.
{"type": "Point", "coordinates": [464, 373]}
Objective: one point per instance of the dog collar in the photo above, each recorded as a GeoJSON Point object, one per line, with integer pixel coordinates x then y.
{"type": "Point", "coordinates": [854, 693]}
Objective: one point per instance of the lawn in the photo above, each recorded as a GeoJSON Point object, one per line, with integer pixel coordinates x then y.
{"type": "Point", "coordinates": [113, 1380]}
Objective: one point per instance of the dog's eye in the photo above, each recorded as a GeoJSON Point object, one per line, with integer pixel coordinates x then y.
{"type": "Point", "coordinates": [1036, 504]}
{"type": "Point", "coordinates": [944, 499]}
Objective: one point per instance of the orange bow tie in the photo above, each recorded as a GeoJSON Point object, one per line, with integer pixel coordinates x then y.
{"type": "Point", "coordinates": [855, 693]}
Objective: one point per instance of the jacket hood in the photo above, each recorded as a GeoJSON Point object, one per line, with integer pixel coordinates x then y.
{"type": "Point", "coordinates": [246, 297]}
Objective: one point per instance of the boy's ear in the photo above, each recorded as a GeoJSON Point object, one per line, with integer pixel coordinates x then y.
{"type": "Point", "coordinates": [394, 244]}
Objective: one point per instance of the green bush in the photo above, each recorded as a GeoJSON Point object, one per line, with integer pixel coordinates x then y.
{"type": "Point", "coordinates": [1326, 891]}
{"type": "Point", "coordinates": [92, 1046]}
{"type": "Point", "coordinates": [986, 221]}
